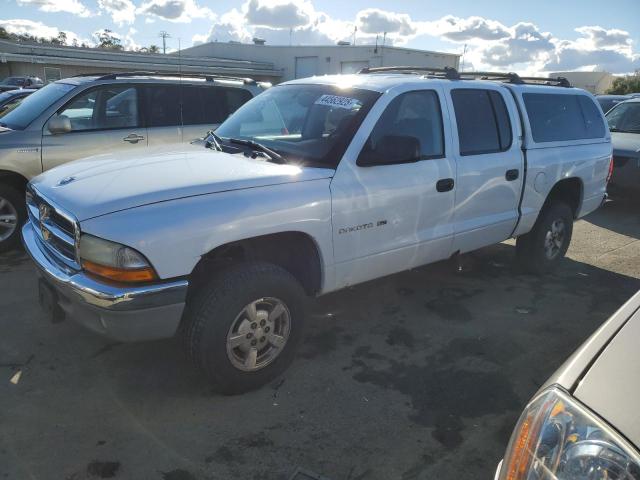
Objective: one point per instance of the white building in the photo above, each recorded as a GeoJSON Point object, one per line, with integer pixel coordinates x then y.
{"type": "Point", "coordinates": [594, 82]}
{"type": "Point", "coordinates": [299, 61]}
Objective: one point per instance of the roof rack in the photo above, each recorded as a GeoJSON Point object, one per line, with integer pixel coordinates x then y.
{"type": "Point", "coordinates": [451, 73]}
{"type": "Point", "coordinates": [207, 77]}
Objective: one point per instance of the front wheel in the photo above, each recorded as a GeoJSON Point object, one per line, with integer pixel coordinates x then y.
{"type": "Point", "coordinates": [13, 214]}
{"type": "Point", "coordinates": [242, 328]}
{"type": "Point", "coordinates": [542, 249]}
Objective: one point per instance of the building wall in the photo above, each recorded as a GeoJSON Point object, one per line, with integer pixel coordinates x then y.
{"type": "Point", "coordinates": [594, 82]}
{"type": "Point", "coordinates": [306, 60]}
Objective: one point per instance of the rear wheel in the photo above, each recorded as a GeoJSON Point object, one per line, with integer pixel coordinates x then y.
{"type": "Point", "coordinates": [13, 214]}
{"type": "Point", "coordinates": [242, 328]}
{"type": "Point", "coordinates": [542, 249]}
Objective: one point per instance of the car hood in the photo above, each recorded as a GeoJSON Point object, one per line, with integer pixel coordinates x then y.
{"type": "Point", "coordinates": [625, 143]}
{"type": "Point", "coordinates": [108, 183]}
{"type": "Point", "coordinates": [610, 386]}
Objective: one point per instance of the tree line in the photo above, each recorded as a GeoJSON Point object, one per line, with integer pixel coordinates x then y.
{"type": "Point", "coordinates": [107, 40]}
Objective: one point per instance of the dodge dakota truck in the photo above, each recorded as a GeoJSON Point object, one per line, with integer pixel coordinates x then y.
{"type": "Point", "coordinates": [314, 185]}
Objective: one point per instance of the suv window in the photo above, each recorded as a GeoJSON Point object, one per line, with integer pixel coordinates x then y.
{"type": "Point", "coordinates": [104, 108]}
{"type": "Point", "coordinates": [416, 114]}
{"type": "Point", "coordinates": [560, 117]}
{"type": "Point", "coordinates": [625, 118]}
{"type": "Point", "coordinates": [482, 120]}
{"type": "Point", "coordinates": [201, 104]}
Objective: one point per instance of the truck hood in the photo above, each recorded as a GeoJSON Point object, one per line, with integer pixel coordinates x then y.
{"type": "Point", "coordinates": [625, 143]}
{"type": "Point", "coordinates": [108, 183]}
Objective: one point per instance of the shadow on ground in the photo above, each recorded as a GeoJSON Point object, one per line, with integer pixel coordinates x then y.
{"type": "Point", "coordinates": [416, 376]}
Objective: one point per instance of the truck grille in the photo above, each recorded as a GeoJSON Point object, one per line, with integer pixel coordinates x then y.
{"type": "Point", "coordinates": [57, 230]}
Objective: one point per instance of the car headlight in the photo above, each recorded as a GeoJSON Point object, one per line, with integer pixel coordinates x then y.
{"type": "Point", "coordinates": [557, 438]}
{"type": "Point", "coordinates": [114, 261]}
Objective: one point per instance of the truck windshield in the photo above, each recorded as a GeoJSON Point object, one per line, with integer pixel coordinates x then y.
{"type": "Point", "coordinates": [625, 117]}
{"type": "Point", "coordinates": [303, 123]}
{"type": "Point", "coordinates": [34, 105]}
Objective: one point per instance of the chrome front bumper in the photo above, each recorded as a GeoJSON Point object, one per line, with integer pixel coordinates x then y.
{"type": "Point", "coordinates": [133, 313]}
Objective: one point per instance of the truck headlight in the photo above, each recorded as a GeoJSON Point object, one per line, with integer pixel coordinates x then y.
{"type": "Point", "coordinates": [557, 438]}
{"type": "Point", "coordinates": [114, 261]}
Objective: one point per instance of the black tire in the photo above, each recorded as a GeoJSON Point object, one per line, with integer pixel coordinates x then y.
{"type": "Point", "coordinates": [213, 309]}
{"type": "Point", "coordinates": [532, 250]}
{"type": "Point", "coordinates": [14, 199]}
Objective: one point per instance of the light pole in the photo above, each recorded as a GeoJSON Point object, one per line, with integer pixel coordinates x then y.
{"type": "Point", "coordinates": [164, 35]}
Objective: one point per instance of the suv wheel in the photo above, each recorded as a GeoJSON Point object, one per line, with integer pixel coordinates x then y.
{"type": "Point", "coordinates": [540, 250]}
{"type": "Point", "coordinates": [242, 328]}
{"type": "Point", "coordinates": [13, 214]}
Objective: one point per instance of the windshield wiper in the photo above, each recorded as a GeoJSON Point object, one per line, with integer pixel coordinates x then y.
{"type": "Point", "coordinates": [271, 154]}
{"type": "Point", "coordinates": [212, 141]}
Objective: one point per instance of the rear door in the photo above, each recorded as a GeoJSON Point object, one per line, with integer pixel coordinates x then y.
{"type": "Point", "coordinates": [103, 119]}
{"type": "Point", "coordinates": [490, 163]}
{"type": "Point", "coordinates": [162, 114]}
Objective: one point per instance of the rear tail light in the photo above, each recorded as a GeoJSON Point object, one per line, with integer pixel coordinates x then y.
{"type": "Point", "coordinates": [610, 174]}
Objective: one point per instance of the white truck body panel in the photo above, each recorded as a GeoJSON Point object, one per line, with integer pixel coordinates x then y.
{"type": "Point", "coordinates": [175, 207]}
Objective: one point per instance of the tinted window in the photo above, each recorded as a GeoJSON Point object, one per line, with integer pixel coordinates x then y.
{"type": "Point", "coordinates": [34, 105]}
{"type": "Point", "coordinates": [236, 97]}
{"type": "Point", "coordinates": [416, 114]}
{"type": "Point", "coordinates": [559, 117]}
{"type": "Point", "coordinates": [192, 106]}
{"type": "Point", "coordinates": [215, 107]}
{"type": "Point", "coordinates": [625, 118]}
{"type": "Point", "coordinates": [502, 119]}
{"type": "Point", "coordinates": [5, 108]}
{"type": "Point", "coordinates": [104, 108]}
{"type": "Point", "coordinates": [163, 106]}
{"type": "Point", "coordinates": [482, 120]}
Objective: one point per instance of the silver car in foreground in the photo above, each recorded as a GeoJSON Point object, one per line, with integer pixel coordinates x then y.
{"type": "Point", "coordinates": [584, 423]}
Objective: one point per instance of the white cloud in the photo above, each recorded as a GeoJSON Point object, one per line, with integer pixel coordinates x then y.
{"type": "Point", "coordinates": [52, 6]}
{"type": "Point", "coordinates": [603, 38]}
{"type": "Point", "coordinates": [375, 21]}
{"type": "Point", "coordinates": [39, 29]}
{"type": "Point", "coordinates": [230, 27]}
{"type": "Point", "coordinates": [175, 10]}
{"type": "Point", "coordinates": [121, 11]}
{"type": "Point", "coordinates": [464, 29]}
{"type": "Point", "coordinates": [279, 14]}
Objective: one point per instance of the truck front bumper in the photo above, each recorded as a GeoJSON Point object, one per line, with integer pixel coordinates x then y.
{"type": "Point", "coordinates": [123, 313]}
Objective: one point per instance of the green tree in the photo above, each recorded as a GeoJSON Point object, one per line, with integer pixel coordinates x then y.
{"type": "Point", "coordinates": [4, 34]}
{"type": "Point", "coordinates": [108, 41]}
{"type": "Point", "coordinates": [626, 84]}
{"type": "Point", "coordinates": [154, 49]}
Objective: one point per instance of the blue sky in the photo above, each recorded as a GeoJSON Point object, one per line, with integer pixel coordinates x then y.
{"type": "Point", "coordinates": [532, 37]}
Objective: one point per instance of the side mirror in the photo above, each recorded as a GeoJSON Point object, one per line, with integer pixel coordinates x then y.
{"type": "Point", "coordinates": [59, 124]}
{"type": "Point", "coordinates": [389, 150]}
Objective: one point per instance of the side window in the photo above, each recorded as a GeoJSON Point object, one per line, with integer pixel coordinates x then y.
{"type": "Point", "coordinates": [10, 105]}
{"type": "Point", "coordinates": [236, 97]}
{"type": "Point", "coordinates": [482, 120]}
{"type": "Point", "coordinates": [214, 105]}
{"type": "Point", "coordinates": [414, 114]}
{"type": "Point", "coordinates": [81, 111]}
{"type": "Point", "coordinates": [192, 107]}
{"type": "Point", "coordinates": [163, 106]}
{"type": "Point", "coordinates": [562, 117]}
{"type": "Point", "coordinates": [104, 108]}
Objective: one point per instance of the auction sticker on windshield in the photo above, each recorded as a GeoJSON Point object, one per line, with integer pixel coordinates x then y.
{"type": "Point", "coordinates": [338, 102]}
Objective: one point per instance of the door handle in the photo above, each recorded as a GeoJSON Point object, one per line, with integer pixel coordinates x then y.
{"type": "Point", "coordinates": [133, 138]}
{"type": "Point", "coordinates": [445, 185]}
{"type": "Point", "coordinates": [512, 175]}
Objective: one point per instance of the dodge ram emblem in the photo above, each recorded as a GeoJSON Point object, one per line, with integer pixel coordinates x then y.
{"type": "Point", "coordinates": [44, 212]}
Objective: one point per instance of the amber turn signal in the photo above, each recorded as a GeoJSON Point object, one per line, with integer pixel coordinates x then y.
{"type": "Point", "coordinates": [136, 275]}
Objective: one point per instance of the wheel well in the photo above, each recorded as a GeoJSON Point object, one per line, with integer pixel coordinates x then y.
{"type": "Point", "coordinates": [14, 179]}
{"type": "Point", "coordinates": [569, 191]}
{"type": "Point", "coordinates": [296, 252]}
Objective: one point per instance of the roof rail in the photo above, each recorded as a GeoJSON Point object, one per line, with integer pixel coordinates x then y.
{"type": "Point", "coordinates": [451, 73]}
{"type": "Point", "coordinates": [446, 72]}
{"type": "Point", "coordinates": [206, 76]}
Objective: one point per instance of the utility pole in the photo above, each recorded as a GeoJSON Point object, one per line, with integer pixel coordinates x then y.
{"type": "Point", "coordinates": [464, 52]}
{"type": "Point", "coordinates": [355, 30]}
{"type": "Point", "coordinates": [164, 35]}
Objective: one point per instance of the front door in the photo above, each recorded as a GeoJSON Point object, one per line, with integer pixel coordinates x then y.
{"type": "Point", "coordinates": [104, 119]}
{"type": "Point", "coordinates": [389, 218]}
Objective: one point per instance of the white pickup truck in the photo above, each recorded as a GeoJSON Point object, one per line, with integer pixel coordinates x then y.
{"type": "Point", "coordinates": [314, 185]}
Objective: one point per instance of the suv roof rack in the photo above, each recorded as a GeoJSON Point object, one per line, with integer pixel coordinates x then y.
{"type": "Point", "coordinates": [451, 73]}
{"type": "Point", "coordinates": [207, 77]}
